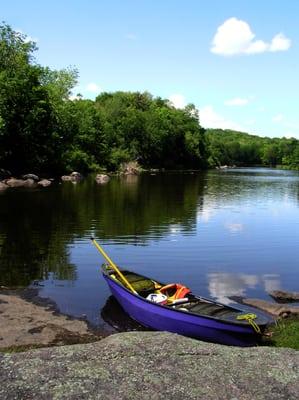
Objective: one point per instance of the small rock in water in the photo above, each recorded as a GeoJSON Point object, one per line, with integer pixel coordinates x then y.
{"type": "Point", "coordinates": [66, 178]}
{"type": "Point", "coordinates": [31, 176]}
{"type": "Point", "coordinates": [275, 309]}
{"type": "Point", "coordinates": [73, 177]}
{"type": "Point", "coordinates": [44, 183]}
{"type": "Point", "coordinates": [76, 176]}
{"type": "Point", "coordinates": [3, 186]}
{"type": "Point", "coordinates": [29, 183]}
{"type": "Point", "coordinates": [282, 296]}
{"type": "Point", "coordinates": [102, 178]}
{"type": "Point", "coordinates": [13, 182]}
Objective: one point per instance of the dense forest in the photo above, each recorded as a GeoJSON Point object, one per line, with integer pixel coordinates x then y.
{"type": "Point", "coordinates": [44, 129]}
{"type": "Point", "coordinates": [226, 147]}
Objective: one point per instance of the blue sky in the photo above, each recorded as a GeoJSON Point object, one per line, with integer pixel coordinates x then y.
{"type": "Point", "coordinates": [237, 61]}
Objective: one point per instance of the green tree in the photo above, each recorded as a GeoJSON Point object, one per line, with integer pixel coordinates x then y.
{"type": "Point", "coordinates": [270, 154]}
{"type": "Point", "coordinates": [24, 105]}
{"type": "Point", "coordinates": [31, 105]}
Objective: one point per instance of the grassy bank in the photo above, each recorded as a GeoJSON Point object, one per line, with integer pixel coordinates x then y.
{"type": "Point", "coordinates": [284, 334]}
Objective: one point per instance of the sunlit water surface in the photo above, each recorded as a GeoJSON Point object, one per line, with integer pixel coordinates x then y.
{"type": "Point", "coordinates": [223, 233]}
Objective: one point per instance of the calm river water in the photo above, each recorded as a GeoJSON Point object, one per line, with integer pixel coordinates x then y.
{"type": "Point", "coordinates": [223, 233]}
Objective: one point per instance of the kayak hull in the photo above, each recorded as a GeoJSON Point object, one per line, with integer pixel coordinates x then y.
{"type": "Point", "coordinates": [162, 318]}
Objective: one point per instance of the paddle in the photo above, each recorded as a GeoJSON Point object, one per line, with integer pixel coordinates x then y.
{"type": "Point", "coordinates": [112, 265]}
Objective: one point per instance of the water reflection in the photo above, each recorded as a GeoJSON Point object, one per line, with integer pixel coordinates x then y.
{"type": "Point", "coordinates": [224, 286]}
{"type": "Point", "coordinates": [271, 282]}
{"type": "Point", "coordinates": [114, 315]}
{"type": "Point", "coordinates": [38, 226]}
{"type": "Point", "coordinates": [234, 227]}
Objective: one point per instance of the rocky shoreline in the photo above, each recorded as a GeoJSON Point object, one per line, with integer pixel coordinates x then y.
{"type": "Point", "coordinates": [33, 181]}
{"type": "Point", "coordinates": [29, 321]}
{"type": "Point", "coordinates": [78, 362]}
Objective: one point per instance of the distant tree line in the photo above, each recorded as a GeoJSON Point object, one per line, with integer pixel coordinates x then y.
{"type": "Point", "coordinates": [43, 129]}
{"type": "Point", "coordinates": [226, 147]}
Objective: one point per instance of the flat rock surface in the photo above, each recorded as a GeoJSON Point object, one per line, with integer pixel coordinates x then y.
{"type": "Point", "coordinates": [284, 296]}
{"type": "Point", "coordinates": [272, 308]}
{"type": "Point", "coordinates": [150, 365]}
{"type": "Point", "coordinates": [25, 324]}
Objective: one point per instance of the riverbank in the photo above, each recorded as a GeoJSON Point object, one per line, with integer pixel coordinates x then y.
{"type": "Point", "coordinates": [28, 321]}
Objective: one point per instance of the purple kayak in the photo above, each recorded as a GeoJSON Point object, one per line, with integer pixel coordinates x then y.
{"type": "Point", "coordinates": [192, 315]}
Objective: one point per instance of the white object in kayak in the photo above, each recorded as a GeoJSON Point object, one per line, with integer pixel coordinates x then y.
{"type": "Point", "coordinates": [157, 298]}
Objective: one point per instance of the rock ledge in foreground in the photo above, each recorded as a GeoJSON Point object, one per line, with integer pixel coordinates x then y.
{"type": "Point", "coordinates": [150, 365]}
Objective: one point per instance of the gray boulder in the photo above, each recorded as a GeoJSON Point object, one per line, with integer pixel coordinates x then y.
{"type": "Point", "coordinates": [66, 178]}
{"type": "Point", "coordinates": [13, 182]}
{"type": "Point", "coordinates": [102, 178]}
{"type": "Point", "coordinates": [76, 176]}
{"type": "Point", "coordinates": [150, 366]}
{"type": "Point", "coordinates": [29, 183]}
{"type": "Point", "coordinates": [44, 182]}
{"type": "Point", "coordinates": [73, 177]}
{"type": "Point", "coordinates": [31, 176]}
{"type": "Point", "coordinates": [3, 186]}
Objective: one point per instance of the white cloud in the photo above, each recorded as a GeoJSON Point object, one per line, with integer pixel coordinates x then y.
{"type": "Point", "coordinates": [277, 118]}
{"type": "Point", "coordinates": [209, 118]}
{"type": "Point", "coordinates": [178, 100]}
{"type": "Point", "coordinates": [258, 46]}
{"type": "Point", "coordinates": [280, 43]}
{"type": "Point", "coordinates": [232, 37]}
{"type": "Point", "coordinates": [235, 36]}
{"type": "Point", "coordinates": [271, 282]}
{"type": "Point", "coordinates": [237, 101]}
{"type": "Point", "coordinates": [234, 228]}
{"type": "Point", "coordinates": [93, 87]}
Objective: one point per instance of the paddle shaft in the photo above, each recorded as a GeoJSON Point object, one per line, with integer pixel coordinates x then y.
{"type": "Point", "coordinates": [111, 263]}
